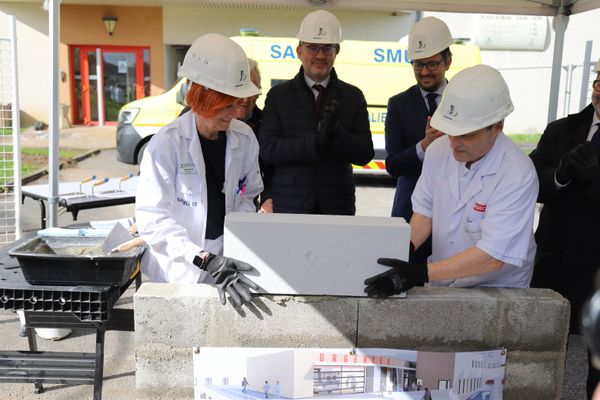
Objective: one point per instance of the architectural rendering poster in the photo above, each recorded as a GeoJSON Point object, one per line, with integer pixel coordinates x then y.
{"type": "Point", "coordinates": [290, 373]}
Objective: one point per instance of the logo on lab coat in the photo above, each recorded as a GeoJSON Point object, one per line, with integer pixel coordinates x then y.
{"type": "Point", "coordinates": [479, 207]}
{"type": "Point", "coordinates": [187, 169]}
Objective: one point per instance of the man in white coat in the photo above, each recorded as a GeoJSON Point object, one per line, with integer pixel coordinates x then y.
{"type": "Point", "coordinates": [476, 196]}
{"type": "Point", "coordinates": [197, 169]}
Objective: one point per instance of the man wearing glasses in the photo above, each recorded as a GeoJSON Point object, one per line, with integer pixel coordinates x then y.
{"type": "Point", "coordinates": [408, 133]}
{"type": "Point", "coordinates": [566, 160]}
{"type": "Point", "coordinates": [314, 128]}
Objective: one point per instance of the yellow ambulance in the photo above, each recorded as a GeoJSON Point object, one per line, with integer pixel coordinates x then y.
{"type": "Point", "coordinates": [379, 69]}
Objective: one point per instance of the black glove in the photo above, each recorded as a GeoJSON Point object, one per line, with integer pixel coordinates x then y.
{"type": "Point", "coordinates": [329, 124]}
{"type": "Point", "coordinates": [400, 278]}
{"type": "Point", "coordinates": [565, 172]}
{"type": "Point", "coordinates": [585, 161]}
{"type": "Point", "coordinates": [228, 278]}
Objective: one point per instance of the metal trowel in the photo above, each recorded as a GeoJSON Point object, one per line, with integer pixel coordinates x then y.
{"type": "Point", "coordinates": [117, 236]}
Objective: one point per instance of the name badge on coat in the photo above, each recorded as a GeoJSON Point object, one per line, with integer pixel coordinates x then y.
{"type": "Point", "coordinates": [187, 169]}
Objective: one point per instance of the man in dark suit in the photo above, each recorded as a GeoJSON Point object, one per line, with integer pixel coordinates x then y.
{"type": "Point", "coordinates": [407, 129]}
{"type": "Point", "coordinates": [567, 163]}
{"type": "Point", "coordinates": [314, 127]}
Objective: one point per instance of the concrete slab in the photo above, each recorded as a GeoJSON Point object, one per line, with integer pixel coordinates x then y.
{"type": "Point", "coordinates": [314, 254]}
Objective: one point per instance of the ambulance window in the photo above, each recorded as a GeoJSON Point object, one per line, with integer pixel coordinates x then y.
{"type": "Point", "coordinates": [181, 94]}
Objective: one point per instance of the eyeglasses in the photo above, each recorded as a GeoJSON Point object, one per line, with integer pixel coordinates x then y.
{"type": "Point", "coordinates": [328, 49]}
{"type": "Point", "coordinates": [431, 65]}
{"type": "Point", "coordinates": [596, 85]}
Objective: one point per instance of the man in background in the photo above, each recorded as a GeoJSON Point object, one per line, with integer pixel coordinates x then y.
{"type": "Point", "coordinates": [314, 128]}
{"type": "Point", "coordinates": [408, 132]}
{"type": "Point", "coordinates": [566, 160]}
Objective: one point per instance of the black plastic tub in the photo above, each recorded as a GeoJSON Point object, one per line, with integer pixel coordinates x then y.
{"type": "Point", "coordinates": [74, 261]}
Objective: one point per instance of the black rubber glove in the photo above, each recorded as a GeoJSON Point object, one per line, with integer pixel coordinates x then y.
{"type": "Point", "coordinates": [565, 172]}
{"type": "Point", "coordinates": [400, 278]}
{"type": "Point", "coordinates": [585, 162]}
{"type": "Point", "coordinates": [226, 272]}
{"type": "Point", "coordinates": [329, 124]}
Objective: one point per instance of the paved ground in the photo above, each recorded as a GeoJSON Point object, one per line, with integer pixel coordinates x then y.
{"type": "Point", "coordinates": [374, 197]}
{"type": "Point", "coordinates": [79, 137]}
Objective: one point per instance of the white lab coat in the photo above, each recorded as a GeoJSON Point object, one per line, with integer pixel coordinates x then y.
{"type": "Point", "coordinates": [171, 199]}
{"type": "Point", "coordinates": [495, 212]}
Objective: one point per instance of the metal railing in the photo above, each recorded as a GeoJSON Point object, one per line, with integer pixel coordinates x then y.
{"type": "Point", "coordinates": [10, 154]}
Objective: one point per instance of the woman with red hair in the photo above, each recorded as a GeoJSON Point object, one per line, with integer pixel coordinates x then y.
{"type": "Point", "coordinates": [196, 170]}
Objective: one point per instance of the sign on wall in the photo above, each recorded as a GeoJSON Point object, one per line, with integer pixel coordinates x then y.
{"type": "Point", "coordinates": [511, 32]}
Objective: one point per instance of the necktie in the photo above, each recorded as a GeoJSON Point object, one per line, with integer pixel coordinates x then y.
{"type": "Point", "coordinates": [596, 138]}
{"type": "Point", "coordinates": [320, 98]}
{"type": "Point", "coordinates": [431, 102]}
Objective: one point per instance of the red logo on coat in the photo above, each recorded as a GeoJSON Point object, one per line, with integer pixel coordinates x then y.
{"type": "Point", "coordinates": [479, 207]}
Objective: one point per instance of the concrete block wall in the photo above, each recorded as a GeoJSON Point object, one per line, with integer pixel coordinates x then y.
{"type": "Point", "coordinates": [531, 323]}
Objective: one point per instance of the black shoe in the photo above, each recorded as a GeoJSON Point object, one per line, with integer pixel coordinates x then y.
{"type": "Point", "coordinates": [23, 332]}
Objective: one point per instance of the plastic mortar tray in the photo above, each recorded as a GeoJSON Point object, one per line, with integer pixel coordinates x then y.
{"type": "Point", "coordinates": [74, 261]}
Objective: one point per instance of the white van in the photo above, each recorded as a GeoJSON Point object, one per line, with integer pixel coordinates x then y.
{"type": "Point", "coordinates": [379, 69]}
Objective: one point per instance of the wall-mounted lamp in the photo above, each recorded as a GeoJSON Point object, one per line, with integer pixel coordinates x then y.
{"type": "Point", "coordinates": [109, 23]}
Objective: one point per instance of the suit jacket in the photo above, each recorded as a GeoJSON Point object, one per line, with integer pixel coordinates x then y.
{"type": "Point", "coordinates": [567, 235]}
{"type": "Point", "coordinates": [404, 128]}
{"type": "Point", "coordinates": [305, 179]}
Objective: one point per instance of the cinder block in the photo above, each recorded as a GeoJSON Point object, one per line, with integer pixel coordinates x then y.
{"type": "Point", "coordinates": [534, 375]}
{"type": "Point", "coordinates": [451, 319]}
{"type": "Point", "coordinates": [314, 254]}
{"type": "Point", "coordinates": [164, 372]}
{"type": "Point", "coordinates": [191, 315]}
{"type": "Point", "coordinates": [432, 319]}
{"type": "Point", "coordinates": [533, 320]}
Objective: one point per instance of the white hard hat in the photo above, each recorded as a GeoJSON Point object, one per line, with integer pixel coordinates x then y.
{"type": "Point", "coordinates": [475, 98]}
{"type": "Point", "coordinates": [428, 37]}
{"type": "Point", "coordinates": [217, 62]}
{"type": "Point", "coordinates": [597, 69]}
{"type": "Point", "coordinates": [320, 27]}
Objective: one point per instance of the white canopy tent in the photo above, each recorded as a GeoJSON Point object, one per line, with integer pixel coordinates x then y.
{"type": "Point", "coordinates": [559, 9]}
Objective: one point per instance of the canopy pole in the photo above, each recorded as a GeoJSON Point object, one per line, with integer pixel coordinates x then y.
{"type": "Point", "coordinates": [16, 125]}
{"type": "Point", "coordinates": [585, 81]}
{"type": "Point", "coordinates": [559, 24]}
{"type": "Point", "coordinates": [53, 133]}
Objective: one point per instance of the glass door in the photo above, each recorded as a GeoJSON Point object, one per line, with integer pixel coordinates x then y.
{"type": "Point", "coordinates": [126, 77]}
